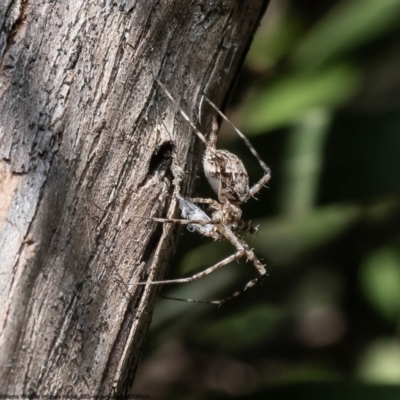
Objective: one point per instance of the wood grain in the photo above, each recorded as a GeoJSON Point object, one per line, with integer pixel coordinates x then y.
{"type": "Point", "coordinates": [88, 141]}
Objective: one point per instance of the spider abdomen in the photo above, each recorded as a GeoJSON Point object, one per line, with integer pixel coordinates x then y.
{"type": "Point", "coordinates": [226, 175]}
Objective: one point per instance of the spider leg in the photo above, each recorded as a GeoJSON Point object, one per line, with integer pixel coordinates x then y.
{"type": "Point", "coordinates": [181, 221]}
{"type": "Point", "coordinates": [235, 294]}
{"type": "Point", "coordinates": [260, 184]}
{"type": "Point", "coordinates": [242, 250]}
{"type": "Point", "coordinates": [169, 220]}
{"type": "Point", "coordinates": [201, 274]}
{"type": "Point", "coordinates": [219, 302]}
{"type": "Point", "coordinates": [223, 188]}
{"type": "Point", "coordinates": [200, 200]}
{"type": "Point", "coordinates": [214, 161]}
{"type": "Point", "coordinates": [240, 244]}
{"type": "Point", "coordinates": [184, 115]}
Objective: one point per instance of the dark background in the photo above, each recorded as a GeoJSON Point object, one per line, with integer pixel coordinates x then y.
{"type": "Point", "coordinates": [319, 98]}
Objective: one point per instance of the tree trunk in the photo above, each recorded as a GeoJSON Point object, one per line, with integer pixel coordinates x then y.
{"type": "Point", "coordinates": [89, 141]}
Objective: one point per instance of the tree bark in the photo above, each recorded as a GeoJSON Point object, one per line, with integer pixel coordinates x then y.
{"type": "Point", "coordinates": [88, 141]}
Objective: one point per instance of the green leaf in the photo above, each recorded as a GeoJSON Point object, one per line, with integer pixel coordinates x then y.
{"type": "Point", "coordinates": [283, 103]}
{"type": "Point", "coordinates": [380, 281]}
{"type": "Point", "coordinates": [349, 25]}
{"type": "Point", "coordinates": [381, 362]}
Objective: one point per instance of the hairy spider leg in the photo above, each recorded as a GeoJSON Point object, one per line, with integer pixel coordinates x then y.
{"type": "Point", "coordinates": [184, 115]}
{"type": "Point", "coordinates": [242, 250]}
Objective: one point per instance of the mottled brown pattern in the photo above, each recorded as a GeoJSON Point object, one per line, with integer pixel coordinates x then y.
{"type": "Point", "coordinates": [229, 179]}
{"type": "Point", "coordinates": [226, 175]}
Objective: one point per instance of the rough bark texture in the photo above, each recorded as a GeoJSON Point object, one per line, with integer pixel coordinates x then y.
{"type": "Point", "coordinates": [88, 140]}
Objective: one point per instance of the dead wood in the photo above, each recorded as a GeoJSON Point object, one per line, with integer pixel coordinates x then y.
{"type": "Point", "coordinates": [87, 141]}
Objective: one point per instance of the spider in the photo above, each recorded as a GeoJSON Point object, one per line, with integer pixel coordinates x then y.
{"type": "Point", "coordinates": [228, 178]}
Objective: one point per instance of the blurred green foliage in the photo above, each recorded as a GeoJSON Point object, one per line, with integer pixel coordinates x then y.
{"type": "Point", "coordinates": [319, 98]}
{"type": "Point", "coordinates": [286, 101]}
{"type": "Point", "coordinates": [380, 281]}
